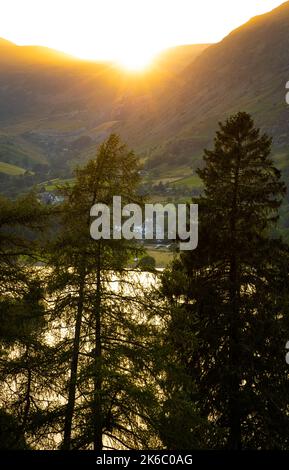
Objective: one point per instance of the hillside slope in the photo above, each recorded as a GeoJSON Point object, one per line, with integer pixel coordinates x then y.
{"type": "Point", "coordinates": [65, 106]}
{"type": "Point", "coordinates": [246, 71]}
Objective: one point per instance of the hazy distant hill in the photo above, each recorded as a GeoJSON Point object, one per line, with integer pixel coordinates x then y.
{"type": "Point", "coordinates": [63, 106]}
{"type": "Point", "coordinates": [248, 71]}
{"type": "Point", "coordinates": [26, 55]}
{"type": "Point", "coordinates": [37, 81]}
{"type": "Point", "coordinates": [177, 58]}
{"type": "Point", "coordinates": [60, 107]}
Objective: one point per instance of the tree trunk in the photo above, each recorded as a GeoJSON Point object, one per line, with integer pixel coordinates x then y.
{"type": "Point", "coordinates": [235, 440]}
{"type": "Point", "coordinates": [98, 418]}
{"type": "Point", "coordinates": [27, 399]}
{"type": "Point", "coordinates": [73, 371]}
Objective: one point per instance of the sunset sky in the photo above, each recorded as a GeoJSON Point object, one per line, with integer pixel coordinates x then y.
{"type": "Point", "coordinates": [129, 32]}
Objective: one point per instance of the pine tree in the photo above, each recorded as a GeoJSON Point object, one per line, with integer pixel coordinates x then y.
{"type": "Point", "coordinates": [232, 293]}
{"type": "Point", "coordinates": [22, 315]}
{"type": "Point", "coordinates": [106, 334]}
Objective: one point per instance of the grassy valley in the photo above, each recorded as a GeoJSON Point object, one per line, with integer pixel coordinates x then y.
{"type": "Point", "coordinates": [55, 109]}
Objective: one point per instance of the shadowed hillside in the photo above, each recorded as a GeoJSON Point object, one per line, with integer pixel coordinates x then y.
{"type": "Point", "coordinates": [248, 70]}
{"type": "Point", "coordinates": [64, 106]}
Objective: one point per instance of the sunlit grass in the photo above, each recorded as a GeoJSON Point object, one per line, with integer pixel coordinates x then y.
{"type": "Point", "coordinates": [11, 170]}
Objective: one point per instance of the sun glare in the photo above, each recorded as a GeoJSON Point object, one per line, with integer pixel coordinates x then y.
{"type": "Point", "coordinates": [127, 32]}
{"type": "Point", "coordinates": [134, 61]}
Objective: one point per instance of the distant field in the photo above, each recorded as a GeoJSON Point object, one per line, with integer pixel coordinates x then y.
{"type": "Point", "coordinates": [190, 181]}
{"type": "Point", "coordinates": [11, 170]}
{"type": "Point", "coordinates": [174, 172]}
{"type": "Point", "coordinates": [281, 160]}
{"type": "Point", "coordinates": [165, 180]}
{"type": "Point", "coordinates": [155, 198]}
{"type": "Point", "coordinates": [163, 258]}
{"type": "Point", "coordinates": [168, 175]}
{"type": "Point", "coordinates": [54, 184]}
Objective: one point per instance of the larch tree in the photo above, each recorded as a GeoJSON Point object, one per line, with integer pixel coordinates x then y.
{"type": "Point", "coordinates": [106, 340]}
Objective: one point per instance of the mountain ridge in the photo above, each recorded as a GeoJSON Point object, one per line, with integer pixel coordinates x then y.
{"type": "Point", "coordinates": [169, 114]}
{"type": "Point", "coordinates": [247, 70]}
